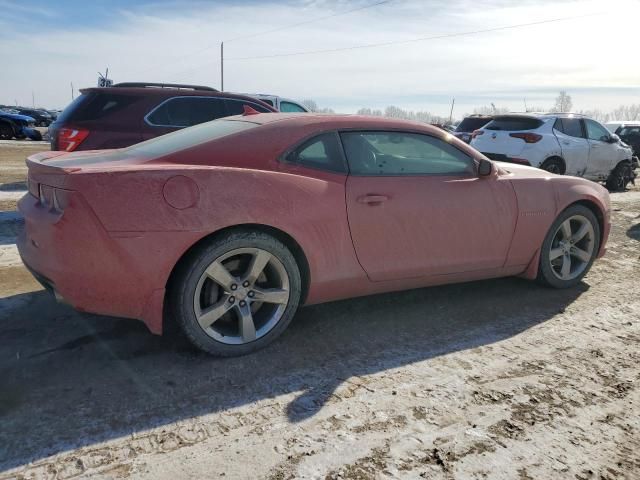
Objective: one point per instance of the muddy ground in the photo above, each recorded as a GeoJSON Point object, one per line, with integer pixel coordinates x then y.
{"type": "Point", "coordinates": [496, 379]}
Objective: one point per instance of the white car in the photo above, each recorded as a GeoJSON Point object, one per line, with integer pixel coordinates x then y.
{"type": "Point", "coordinates": [561, 143]}
{"type": "Point", "coordinates": [279, 103]}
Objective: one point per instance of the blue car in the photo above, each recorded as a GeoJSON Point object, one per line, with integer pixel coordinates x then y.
{"type": "Point", "coordinates": [14, 125]}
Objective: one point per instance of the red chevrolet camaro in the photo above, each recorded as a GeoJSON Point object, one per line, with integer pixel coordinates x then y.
{"type": "Point", "coordinates": [227, 227]}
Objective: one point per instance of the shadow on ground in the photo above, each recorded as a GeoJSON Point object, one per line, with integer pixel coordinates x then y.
{"type": "Point", "coordinates": [634, 232]}
{"type": "Point", "coordinates": [69, 380]}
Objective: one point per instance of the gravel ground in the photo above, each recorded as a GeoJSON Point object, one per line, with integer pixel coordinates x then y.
{"type": "Point", "coordinates": [496, 379]}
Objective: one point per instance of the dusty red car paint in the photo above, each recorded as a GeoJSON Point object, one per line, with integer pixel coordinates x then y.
{"type": "Point", "coordinates": [122, 219]}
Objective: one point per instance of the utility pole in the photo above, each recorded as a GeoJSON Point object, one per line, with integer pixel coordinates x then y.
{"type": "Point", "coordinates": [222, 66]}
{"type": "Point", "coordinates": [33, 99]}
{"type": "Point", "coordinates": [72, 94]}
{"type": "Point", "coordinates": [453, 102]}
{"type": "Point", "coordinates": [525, 105]}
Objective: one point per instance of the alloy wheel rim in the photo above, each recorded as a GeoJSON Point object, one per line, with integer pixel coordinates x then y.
{"type": "Point", "coordinates": [241, 296]}
{"type": "Point", "coordinates": [572, 247]}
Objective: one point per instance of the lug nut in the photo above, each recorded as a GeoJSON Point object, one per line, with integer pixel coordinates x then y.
{"type": "Point", "coordinates": [251, 294]}
{"type": "Point", "coordinates": [243, 303]}
{"type": "Point", "coordinates": [245, 284]}
{"type": "Point", "coordinates": [234, 286]}
{"type": "Point", "coordinates": [232, 299]}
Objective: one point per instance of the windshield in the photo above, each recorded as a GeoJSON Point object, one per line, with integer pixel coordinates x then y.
{"type": "Point", "coordinates": [514, 123]}
{"type": "Point", "coordinates": [189, 137]}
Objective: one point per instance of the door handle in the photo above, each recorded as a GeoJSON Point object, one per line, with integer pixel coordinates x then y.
{"type": "Point", "coordinates": [566, 143]}
{"type": "Point", "coordinates": [372, 199]}
{"type": "Point", "coordinates": [594, 146]}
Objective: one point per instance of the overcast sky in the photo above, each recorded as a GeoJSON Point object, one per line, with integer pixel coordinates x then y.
{"type": "Point", "coordinates": [46, 45]}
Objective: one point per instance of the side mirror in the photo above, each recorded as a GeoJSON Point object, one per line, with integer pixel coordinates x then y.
{"type": "Point", "coordinates": [484, 168]}
{"type": "Point", "coordinates": [613, 138]}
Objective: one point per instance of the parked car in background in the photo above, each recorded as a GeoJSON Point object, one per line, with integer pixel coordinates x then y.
{"type": "Point", "coordinates": [469, 124]}
{"type": "Point", "coordinates": [227, 227]}
{"type": "Point", "coordinates": [560, 143]}
{"type": "Point", "coordinates": [629, 133]}
{"type": "Point", "coordinates": [42, 117]}
{"type": "Point", "coordinates": [128, 113]}
{"type": "Point", "coordinates": [279, 103]}
{"type": "Point", "coordinates": [14, 125]}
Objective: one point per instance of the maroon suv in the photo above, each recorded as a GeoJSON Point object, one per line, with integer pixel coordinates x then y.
{"type": "Point", "coordinates": [128, 113]}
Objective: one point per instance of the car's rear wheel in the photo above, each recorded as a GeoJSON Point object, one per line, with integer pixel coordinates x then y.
{"type": "Point", "coordinates": [553, 165]}
{"type": "Point", "coordinates": [570, 247]}
{"type": "Point", "coordinates": [236, 294]}
{"type": "Point", "coordinates": [6, 132]}
{"type": "Point", "coordinates": [620, 177]}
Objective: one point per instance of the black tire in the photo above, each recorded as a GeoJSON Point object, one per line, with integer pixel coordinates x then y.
{"type": "Point", "coordinates": [546, 274]}
{"type": "Point", "coordinates": [6, 132]}
{"type": "Point", "coordinates": [620, 177]}
{"type": "Point", "coordinates": [553, 165]}
{"type": "Point", "coordinates": [36, 136]}
{"type": "Point", "coordinates": [185, 284]}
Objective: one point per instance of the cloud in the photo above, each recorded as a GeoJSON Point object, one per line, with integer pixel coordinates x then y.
{"type": "Point", "coordinates": [173, 43]}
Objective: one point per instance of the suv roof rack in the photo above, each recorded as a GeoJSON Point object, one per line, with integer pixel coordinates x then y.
{"type": "Point", "coordinates": [163, 85]}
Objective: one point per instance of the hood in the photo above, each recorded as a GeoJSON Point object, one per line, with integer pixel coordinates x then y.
{"type": "Point", "coordinates": [16, 116]}
{"type": "Point", "coordinates": [522, 171]}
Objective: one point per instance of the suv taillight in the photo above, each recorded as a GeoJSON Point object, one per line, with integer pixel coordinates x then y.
{"type": "Point", "coordinates": [527, 137]}
{"type": "Point", "coordinates": [70, 138]}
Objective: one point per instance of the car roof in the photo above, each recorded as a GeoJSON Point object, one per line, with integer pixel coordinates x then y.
{"type": "Point", "coordinates": [332, 120]}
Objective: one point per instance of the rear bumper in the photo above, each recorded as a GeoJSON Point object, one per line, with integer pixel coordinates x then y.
{"type": "Point", "coordinates": [73, 257]}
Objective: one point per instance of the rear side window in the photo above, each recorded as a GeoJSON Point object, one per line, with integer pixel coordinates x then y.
{"type": "Point", "coordinates": [236, 107]}
{"type": "Point", "coordinates": [322, 152]}
{"type": "Point", "coordinates": [514, 123]}
{"type": "Point", "coordinates": [187, 111]}
{"type": "Point", "coordinates": [94, 106]}
{"type": "Point", "coordinates": [569, 126]}
{"type": "Point", "coordinates": [470, 124]}
{"type": "Point", "coordinates": [189, 137]}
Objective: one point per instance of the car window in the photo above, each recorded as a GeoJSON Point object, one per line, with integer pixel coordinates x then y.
{"type": "Point", "coordinates": [187, 111]}
{"type": "Point", "coordinates": [322, 152]}
{"type": "Point", "coordinates": [400, 153]}
{"type": "Point", "coordinates": [236, 107]}
{"type": "Point", "coordinates": [513, 123]}
{"type": "Point", "coordinates": [595, 131]}
{"type": "Point", "coordinates": [94, 106]}
{"type": "Point", "coordinates": [469, 124]}
{"type": "Point", "coordinates": [629, 131]}
{"type": "Point", "coordinates": [291, 107]}
{"type": "Point", "coordinates": [569, 126]}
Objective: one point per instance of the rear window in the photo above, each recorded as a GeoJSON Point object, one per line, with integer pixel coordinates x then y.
{"type": "Point", "coordinates": [189, 137]}
{"type": "Point", "coordinates": [514, 123]}
{"type": "Point", "coordinates": [93, 106]}
{"type": "Point", "coordinates": [470, 124]}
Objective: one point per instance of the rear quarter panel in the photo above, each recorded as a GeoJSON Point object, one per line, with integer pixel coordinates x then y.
{"type": "Point", "coordinates": [132, 204]}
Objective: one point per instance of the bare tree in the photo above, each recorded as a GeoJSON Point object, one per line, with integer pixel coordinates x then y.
{"type": "Point", "coordinates": [313, 106]}
{"type": "Point", "coordinates": [563, 102]}
{"type": "Point", "coordinates": [492, 110]}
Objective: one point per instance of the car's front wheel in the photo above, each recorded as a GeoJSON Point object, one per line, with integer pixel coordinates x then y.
{"type": "Point", "coordinates": [620, 177]}
{"type": "Point", "coordinates": [237, 293]}
{"type": "Point", "coordinates": [570, 247]}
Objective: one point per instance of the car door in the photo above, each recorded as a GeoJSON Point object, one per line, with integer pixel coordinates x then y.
{"type": "Point", "coordinates": [416, 207]}
{"type": "Point", "coordinates": [573, 143]}
{"type": "Point", "coordinates": [602, 154]}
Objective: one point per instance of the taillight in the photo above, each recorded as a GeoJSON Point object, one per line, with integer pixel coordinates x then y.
{"type": "Point", "coordinates": [477, 133]}
{"type": "Point", "coordinates": [70, 138]}
{"type": "Point", "coordinates": [527, 137]}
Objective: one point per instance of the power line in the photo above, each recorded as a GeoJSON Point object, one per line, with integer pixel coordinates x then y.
{"type": "Point", "coordinates": [278, 29]}
{"type": "Point", "coordinates": [419, 39]}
